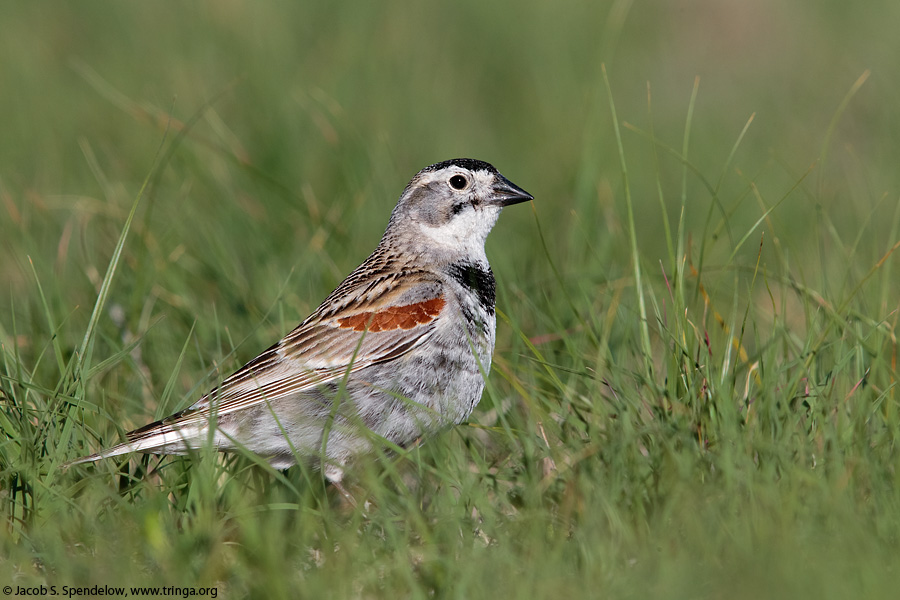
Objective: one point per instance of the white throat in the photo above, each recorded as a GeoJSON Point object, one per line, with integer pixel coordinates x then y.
{"type": "Point", "coordinates": [464, 235]}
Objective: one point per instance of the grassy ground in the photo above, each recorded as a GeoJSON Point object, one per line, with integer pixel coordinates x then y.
{"type": "Point", "coordinates": [694, 384]}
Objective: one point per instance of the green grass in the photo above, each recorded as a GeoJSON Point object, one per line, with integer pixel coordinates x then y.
{"type": "Point", "coordinates": [693, 392]}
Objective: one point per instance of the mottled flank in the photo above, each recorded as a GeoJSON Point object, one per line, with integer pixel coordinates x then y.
{"type": "Point", "coordinates": [394, 317]}
{"type": "Point", "coordinates": [479, 280]}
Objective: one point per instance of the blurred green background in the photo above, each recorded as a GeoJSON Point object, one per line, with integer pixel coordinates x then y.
{"type": "Point", "coordinates": [337, 105]}
{"type": "Point", "coordinates": [313, 117]}
{"type": "Point", "coordinates": [292, 129]}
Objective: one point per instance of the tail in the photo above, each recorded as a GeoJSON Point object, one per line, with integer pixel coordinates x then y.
{"type": "Point", "coordinates": [159, 437]}
{"type": "Point", "coordinates": [116, 450]}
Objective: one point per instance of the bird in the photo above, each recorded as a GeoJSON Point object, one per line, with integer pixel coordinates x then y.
{"type": "Point", "coordinates": [397, 352]}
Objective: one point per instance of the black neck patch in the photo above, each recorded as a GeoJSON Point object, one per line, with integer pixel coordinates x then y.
{"type": "Point", "coordinates": [479, 280]}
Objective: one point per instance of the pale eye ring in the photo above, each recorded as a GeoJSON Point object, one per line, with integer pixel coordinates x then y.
{"type": "Point", "coordinates": [458, 182]}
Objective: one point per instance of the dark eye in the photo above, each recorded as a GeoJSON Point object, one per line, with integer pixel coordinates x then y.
{"type": "Point", "coordinates": [458, 182]}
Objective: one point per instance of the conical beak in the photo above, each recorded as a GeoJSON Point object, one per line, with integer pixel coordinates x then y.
{"type": "Point", "coordinates": [505, 193]}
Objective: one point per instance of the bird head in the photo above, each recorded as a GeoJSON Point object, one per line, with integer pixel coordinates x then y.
{"type": "Point", "coordinates": [450, 207]}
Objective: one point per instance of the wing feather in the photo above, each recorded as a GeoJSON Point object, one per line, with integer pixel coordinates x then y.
{"type": "Point", "coordinates": [389, 318]}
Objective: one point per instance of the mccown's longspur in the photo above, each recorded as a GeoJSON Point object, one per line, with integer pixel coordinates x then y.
{"type": "Point", "coordinates": [399, 350]}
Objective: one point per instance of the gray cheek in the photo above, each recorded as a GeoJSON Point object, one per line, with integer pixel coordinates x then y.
{"type": "Point", "coordinates": [431, 206]}
{"type": "Point", "coordinates": [433, 216]}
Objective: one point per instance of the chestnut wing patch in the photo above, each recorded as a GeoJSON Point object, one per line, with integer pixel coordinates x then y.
{"type": "Point", "coordinates": [394, 317]}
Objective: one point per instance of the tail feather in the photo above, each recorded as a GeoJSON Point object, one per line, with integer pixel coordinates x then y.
{"type": "Point", "coordinates": [117, 450]}
{"type": "Point", "coordinates": [155, 438]}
